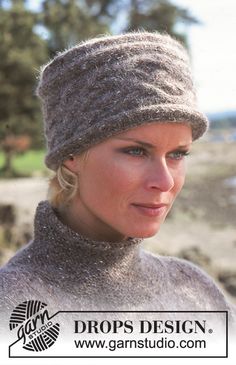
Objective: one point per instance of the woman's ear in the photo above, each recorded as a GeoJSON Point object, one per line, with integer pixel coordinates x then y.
{"type": "Point", "coordinates": [71, 163]}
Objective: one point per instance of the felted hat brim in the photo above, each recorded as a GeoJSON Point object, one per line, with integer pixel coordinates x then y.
{"type": "Point", "coordinates": [123, 121]}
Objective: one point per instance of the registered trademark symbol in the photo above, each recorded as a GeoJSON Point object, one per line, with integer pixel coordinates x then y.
{"type": "Point", "coordinates": [210, 330]}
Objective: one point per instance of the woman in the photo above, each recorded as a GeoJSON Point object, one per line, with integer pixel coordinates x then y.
{"type": "Point", "coordinates": [120, 117]}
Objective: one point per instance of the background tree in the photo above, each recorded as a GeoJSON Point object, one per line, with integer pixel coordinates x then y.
{"type": "Point", "coordinates": [160, 15]}
{"type": "Point", "coordinates": [22, 51]}
{"type": "Point", "coordinates": [68, 22]}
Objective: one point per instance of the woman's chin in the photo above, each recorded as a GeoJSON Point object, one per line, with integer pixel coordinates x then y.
{"type": "Point", "coordinates": [144, 233]}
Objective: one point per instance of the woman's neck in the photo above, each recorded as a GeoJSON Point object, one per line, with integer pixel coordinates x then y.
{"type": "Point", "coordinates": [68, 249]}
{"type": "Point", "coordinates": [76, 218]}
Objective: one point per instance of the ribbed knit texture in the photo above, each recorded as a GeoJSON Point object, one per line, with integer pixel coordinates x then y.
{"type": "Point", "coordinates": [71, 272]}
{"type": "Point", "coordinates": [110, 84]}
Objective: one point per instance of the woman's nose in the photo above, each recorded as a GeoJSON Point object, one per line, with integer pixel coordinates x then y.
{"type": "Point", "coordinates": [159, 176]}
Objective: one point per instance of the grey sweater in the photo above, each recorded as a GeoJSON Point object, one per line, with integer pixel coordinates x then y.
{"type": "Point", "coordinates": [71, 272]}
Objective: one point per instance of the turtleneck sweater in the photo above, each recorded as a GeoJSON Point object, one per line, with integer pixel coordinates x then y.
{"type": "Point", "coordinates": [69, 271]}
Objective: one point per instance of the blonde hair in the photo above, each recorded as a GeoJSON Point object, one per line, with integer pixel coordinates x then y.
{"type": "Point", "coordinates": [63, 186]}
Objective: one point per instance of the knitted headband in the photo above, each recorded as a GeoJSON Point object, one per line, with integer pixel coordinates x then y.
{"type": "Point", "coordinates": [110, 84]}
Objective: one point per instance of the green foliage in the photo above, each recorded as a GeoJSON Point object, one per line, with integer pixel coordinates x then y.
{"type": "Point", "coordinates": [21, 54]}
{"type": "Point", "coordinates": [160, 15]}
{"type": "Point", "coordinates": [68, 22]}
{"type": "Point", "coordinates": [26, 164]}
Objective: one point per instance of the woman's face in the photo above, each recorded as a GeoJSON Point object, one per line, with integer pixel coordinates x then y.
{"type": "Point", "coordinates": [129, 182]}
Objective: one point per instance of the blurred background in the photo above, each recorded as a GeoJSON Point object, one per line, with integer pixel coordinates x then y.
{"type": "Point", "coordinates": [202, 225]}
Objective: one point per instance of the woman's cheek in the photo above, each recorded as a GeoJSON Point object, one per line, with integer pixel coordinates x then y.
{"type": "Point", "coordinates": [179, 179]}
{"type": "Point", "coordinates": [122, 175]}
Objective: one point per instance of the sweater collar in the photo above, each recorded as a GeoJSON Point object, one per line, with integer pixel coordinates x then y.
{"type": "Point", "coordinates": [65, 244]}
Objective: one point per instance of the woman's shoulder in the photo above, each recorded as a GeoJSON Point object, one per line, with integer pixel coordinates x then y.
{"type": "Point", "coordinates": [184, 276]}
{"type": "Point", "coordinates": [16, 276]}
{"type": "Point", "coordinates": [12, 284]}
{"type": "Point", "coordinates": [177, 268]}
{"type": "Point", "coordinates": [18, 283]}
{"type": "Point", "coordinates": [13, 276]}
{"type": "Point", "coordinates": [20, 259]}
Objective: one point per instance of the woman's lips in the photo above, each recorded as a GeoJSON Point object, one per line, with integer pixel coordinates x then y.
{"type": "Point", "coordinates": [151, 210]}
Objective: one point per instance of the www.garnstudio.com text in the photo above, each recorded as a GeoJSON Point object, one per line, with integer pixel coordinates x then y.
{"type": "Point", "coordinates": [162, 343]}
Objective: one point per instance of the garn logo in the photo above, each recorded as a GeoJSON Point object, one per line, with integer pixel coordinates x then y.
{"type": "Point", "coordinates": [34, 325]}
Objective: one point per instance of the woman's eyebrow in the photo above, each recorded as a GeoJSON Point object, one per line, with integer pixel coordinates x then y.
{"type": "Point", "coordinates": [142, 143]}
{"type": "Point", "coordinates": [149, 145]}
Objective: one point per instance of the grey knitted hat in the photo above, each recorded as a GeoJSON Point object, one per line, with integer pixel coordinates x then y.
{"type": "Point", "coordinates": [110, 84]}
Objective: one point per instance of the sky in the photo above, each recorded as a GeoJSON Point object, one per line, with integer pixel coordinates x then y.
{"type": "Point", "coordinates": [213, 51]}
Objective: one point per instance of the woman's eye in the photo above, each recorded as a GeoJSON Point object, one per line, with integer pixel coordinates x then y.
{"type": "Point", "coordinates": [178, 155]}
{"type": "Point", "coordinates": [135, 151]}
